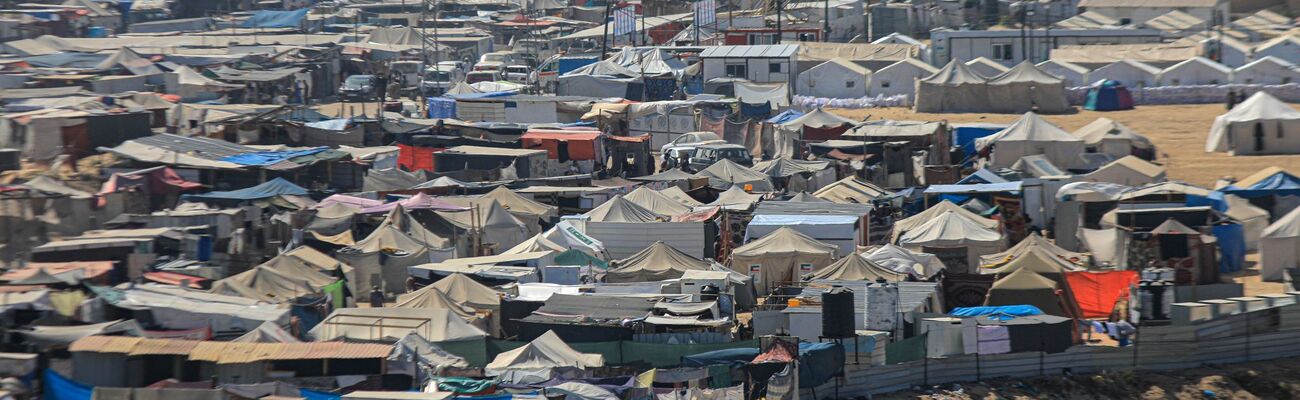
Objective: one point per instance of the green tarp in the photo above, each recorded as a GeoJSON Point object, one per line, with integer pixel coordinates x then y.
{"type": "Point", "coordinates": [910, 349]}
{"type": "Point", "coordinates": [575, 257]}
{"type": "Point", "coordinates": [335, 291]}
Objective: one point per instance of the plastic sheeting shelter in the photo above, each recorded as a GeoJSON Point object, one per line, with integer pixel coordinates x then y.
{"type": "Point", "coordinates": [1260, 125]}
{"type": "Point", "coordinates": [923, 265]}
{"type": "Point", "coordinates": [272, 188]}
{"type": "Point", "coordinates": [782, 256]}
{"type": "Point", "coordinates": [1032, 135]}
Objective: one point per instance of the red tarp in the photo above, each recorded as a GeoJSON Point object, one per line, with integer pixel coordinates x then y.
{"type": "Point", "coordinates": [158, 181]}
{"type": "Point", "coordinates": [580, 145]}
{"type": "Point", "coordinates": [415, 157]}
{"type": "Point", "coordinates": [1097, 292]}
{"type": "Point", "coordinates": [172, 278]}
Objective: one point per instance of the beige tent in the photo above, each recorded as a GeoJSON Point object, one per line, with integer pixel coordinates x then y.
{"type": "Point", "coordinates": [521, 206]}
{"type": "Point", "coordinates": [736, 198]}
{"type": "Point", "coordinates": [392, 324]}
{"type": "Point", "coordinates": [676, 193]}
{"type": "Point", "coordinates": [432, 298]}
{"type": "Point", "coordinates": [497, 225]}
{"type": "Point", "coordinates": [382, 257]}
{"type": "Point", "coordinates": [782, 256]}
{"type": "Point", "coordinates": [898, 259]}
{"type": "Point", "coordinates": [993, 263]}
{"type": "Point", "coordinates": [656, 202]}
{"type": "Point", "coordinates": [856, 268]}
{"type": "Point", "coordinates": [1024, 286]}
{"type": "Point", "coordinates": [655, 263]}
{"type": "Point", "coordinates": [1127, 171]}
{"type": "Point", "coordinates": [1026, 88]}
{"type": "Point", "coordinates": [1107, 136]}
{"type": "Point", "coordinates": [1279, 246]}
{"type": "Point", "coordinates": [907, 224]}
{"type": "Point", "coordinates": [265, 284]}
{"type": "Point", "coordinates": [955, 88]}
{"type": "Point", "coordinates": [725, 174]}
{"type": "Point", "coordinates": [619, 209]}
{"type": "Point", "coordinates": [851, 190]}
{"type": "Point", "coordinates": [1031, 135]}
{"type": "Point", "coordinates": [464, 290]}
{"type": "Point", "coordinates": [957, 239]}
{"type": "Point", "coordinates": [1260, 125]}
{"type": "Point", "coordinates": [539, 360]}
{"type": "Point", "coordinates": [324, 264]}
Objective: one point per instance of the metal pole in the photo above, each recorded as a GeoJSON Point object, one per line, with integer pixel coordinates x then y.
{"type": "Point", "coordinates": [778, 22]}
{"type": "Point", "coordinates": [604, 39]}
{"type": "Point", "coordinates": [826, 20]}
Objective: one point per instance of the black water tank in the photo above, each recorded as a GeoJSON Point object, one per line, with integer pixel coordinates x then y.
{"type": "Point", "coordinates": [837, 313]}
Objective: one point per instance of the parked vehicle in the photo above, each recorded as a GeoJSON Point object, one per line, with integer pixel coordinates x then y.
{"type": "Point", "coordinates": [692, 139]}
{"type": "Point", "coordinates": [437, 80]}
{"type": "Point", "coordinates": [482, 76]}
{"type": "Point", "coordinates": [359, 87]}
{"type": "Point", "coordinates": [707, 154]}
{"type": "Point", "coordinates": [672, 157]}
{"type": "Point", "coordinates": [496, 61]}
{"type": "Point", "coordinates": [518, 74]}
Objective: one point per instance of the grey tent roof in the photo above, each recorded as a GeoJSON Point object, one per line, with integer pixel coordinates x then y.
{"type": "Point", "coordinates": [656, 202]}
{"type": "Point", "coordinates": [414, 351]}
{"type": "Point", "coordinates": [518, 204]}
{"type": "Point", "coordinates": [619, 209]}
{"type": "Point", "coordinates": [953, 74]}
{"type": "Point", "coordinates": [725, 173]}
{"type": "Point", "coordinates": [676, 193]}
{"type": "Point", "coordinates": [267, 332]}
{"type": "Point", "coordinates": [665, 176]}
{"type": "Point", "coordinates": [1108, 129]}
{"type": "Point", "coordinates": [1025, 72]}
{"type": "Point", "coordinates": [805, 197]}
{"type": "Point", "coordinates": [131, 61]}
{"type": "Point", "coordinates": [657, 262]}
{"type": "Point", "coordinates": [783, 167]}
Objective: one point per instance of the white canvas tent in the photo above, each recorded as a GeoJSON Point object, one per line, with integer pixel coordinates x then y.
{"type": "Point", "coordinates": [1107, 136]}
{"type": "Point", "coordinates": [1279, 247]}
{"type": "Point", "coordinates": [1196, 71]}
{"type": "Point", "coordinates": [1073, 75]}
{"type": "Point", "coordinates": [656, 202]}
{"type": "Point", "coordinates": [1131, 73]}
{"type": "Point", "coordinates": [958, 237]}
{"type": "Point", "coordinates": [985, 67]}
{"type": "Point", "coordinates": [900, 78]}
{"type": "Point", "coordinates": [1032, 135]}
{"type": "Point", "coordinates": [1128, 171]}
{"type": "Point", "coordinates": [837, 78]}
{"type": "Point", "coordinates": [1260, 125]}
{"type": "Point", "coordinates": [899, 259]}
{"type": "Point", "coordinates": [907, 224]}
{"type": "Point", "coordinates": [1267, 71]}
{"type": "Point", "coordinates": [539, 360]}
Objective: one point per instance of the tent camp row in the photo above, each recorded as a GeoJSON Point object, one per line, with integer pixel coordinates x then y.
{"type": "Point", "coordinates": [957, 89]}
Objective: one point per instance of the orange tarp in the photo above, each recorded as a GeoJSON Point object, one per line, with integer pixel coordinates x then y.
{"type": "Point", "coordinates": [579, 144]}
{"type": "Point", "coordinates": [1097, 292]}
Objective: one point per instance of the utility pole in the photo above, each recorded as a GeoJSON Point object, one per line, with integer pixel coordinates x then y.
{"type": "Point", "coordinates": [604, 39]}
{"type": "Point", "coordinates": [779, 33]}
{"type": "Point", "coordinates": [826, 20]}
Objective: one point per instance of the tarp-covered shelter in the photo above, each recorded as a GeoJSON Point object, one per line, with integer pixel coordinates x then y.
{"type": "Point", "coordinates": [465, 290]}
{"type": "Point", "coordinates": [1260, 125]}
{"type": "Point", "coordinates": [1279, 246]}
{"type": "Point", "coordinates": [392, 324]}
{"type": "Point", "coordinates": [1031, 135]}
{"type": "Point", "coordinates": [736, 198]}
{"type": "Point", "coordinates": [851, 190]}
{"type": "Point", "coordinates": [496, 225]}
{"type": "Point", "coordinates": [856, 268]}
{"type": "Point", "coordinates": [676, 193]}
{"type": "Point", "coordinates": [781, 256]}
{"type": "Point", "coordinates": [956, 238]}
{"type": "Point", "coordinates": [657, 262]}
{"type": "Point", "coordinates": [817, 125]}
{"type": "Point", "coordinates": [282, 279]}
{"type": "Point", "coordinates": [272, 188]}
{"type": "Point", "coordinates": [725, 174]}
{"type": "Point", "coordinates": [898, 259]}
{"type": "Point", "coordinates": [430, 297]}
{"type": "Point", "coordinates": [521, 206]}
{"type": "Point", "coordinates": [540, 360]}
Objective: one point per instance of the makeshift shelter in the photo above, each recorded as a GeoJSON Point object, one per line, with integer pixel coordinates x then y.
{"type": "Point", "coordinates": [676, 193]}
{"type": "Point", "coordinates": [382, 257]}
{"type": "Point", "coordinates": [737, 199]}
{"type": "Point", "coordinates": [566, 145]}
{"type": "Point", "coordinates": [272, 188]}
{"type": "Point", "coordinates": [1024, 286]}
{"type": "Point", "coordinates": [193, 86]}
{"type": "Point", "coordinates": [782, 256]}
{"type": "Point", "coordinates": [993, 263]}
{"type": "Point", "coordinates": [851, 190]}
{"type": "Point", "coordinates": [497, 227]}
{"type": "Point", "coordinates": [953, 89]}
{"type": "Point", "coordinates": [857, 268]}
{"type": "Point", "coordinates": [1260, 125]}
{"type": "Point", "coordinates": [521, 206]}
{"type": "Point", "coordinates": [1196, 71]}
{"type": "Point", "coordinates": [464, 290]}
{"type": "Point", "coordinates": [1279, 247]}
{"type": "Point", "coordinates": [267, 332]}
{"type": "Point", "coordinates": [957, 239]}
{"type": "Point", "coordinates": [540, 360]}
{"type": "Point", "coordinates": [656, 202]}
{"type": "Point", "coordinates": [815, 126]}
{"type": "Point", "coordinates": [1108, 95]}
{"type": "Point", "coordinates": [797, 176]}
{"type": "Point", "coordinates": [1128, 72]}
{"type": "Point", "coordinates": [1128, 171]}
{"type": "Point", "coordinates": [619, 209]}
{"type": "Point", "coordinates": [420, 358]}
{"type": "Point", "coordinates": [440, 326]}
{"type": "Point", "coordinates": [282, 279]}
{"type": "Point", "coordinates": [725, 174]}
{"type": "Point", "coordinates": [907, 224]}
{"type": "Point", "coordinates": [419, 201]}
{"type": "Point", "coordinates": [898, 259]}
{"type": "Point", "coordinates": [430, 297]}
{"type": "Point", "coordinates": [837, 78]}
{"type": "Point", "coordinates": [1106, 136]}
{"type": "Point", "coordinates": [1026, 88]}
{"type": "Point", "coordinates": [657, 262]}
{"type": "Point", "coordinates": [1097, 292]}
{"type": "Point", "coordinates": [1031, 135]}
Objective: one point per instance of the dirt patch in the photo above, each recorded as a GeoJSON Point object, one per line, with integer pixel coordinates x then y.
{"type": "Point", "coordinates": [1178, 131]}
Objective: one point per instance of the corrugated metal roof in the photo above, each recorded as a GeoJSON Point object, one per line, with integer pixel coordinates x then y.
{"type": "Point", "coordinates": [163, 347]}
{"type": "Point", "coordinates": [105, 344]}
{"type": "Point", "coordinates": [751, 51]}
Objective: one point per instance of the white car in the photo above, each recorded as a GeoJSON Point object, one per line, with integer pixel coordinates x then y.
{"type": "Point", "coordinates": [692, 139]}
{"type": "Point", "coordinates": [518, 74]}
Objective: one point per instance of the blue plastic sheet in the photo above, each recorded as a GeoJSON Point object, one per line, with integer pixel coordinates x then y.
{"type": "Point", "coordinates": [314, 395]}
{"type": "Point", "coordinates": [272, 188]}
{"type": "Point", "coordinates": [819, 362]}
{"type": "Point", "coordinates": [264, 158]}
{"type": "Point", "coordinates": [276, 19]}
{"type": "Point", "coordinates": [784, 116]}
{"type": "Point", "coordinates": [442, 107]}
{"type": "Point", "coordinates": [733, 357]}
{"type": "Point", "coordinates": [58, 387]}
{"type": "Point", "coordinates": [1279, 184]}
{"type": "Point", "coordinates": [999, 313]}
{"type": "Point", "coordinates": [1232, 246]}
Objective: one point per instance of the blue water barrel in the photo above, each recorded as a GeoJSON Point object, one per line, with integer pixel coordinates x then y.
{"type": "Point", "coordinates": [205, 248]}
{"type": "Point", "coordinates": [97, 32]}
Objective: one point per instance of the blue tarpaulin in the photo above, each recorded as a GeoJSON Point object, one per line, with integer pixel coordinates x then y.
{"type": "Point", "coordinates": [57, 387]}
{"type": "Point", "coordinates": [272, 188]}
{"type": "Point", "coordinates": [314, 395]}
{"type": "Point", "coordinates": [1215, 200]}
{"type": "Point", "coordinates": [474, 96]}
{"type": "Point", "coordinates": [999, 313]}
{"type": "Point", "coordinates": [818, 362]}
{"type": "Point", "coordinates": [964, 135]}
{"type": "Point", "coordinates": [276, 19]}
{"type": "Point", "coordinates": [784, 116]}
{"type": "Point", "coordinates": [264, 158]}
{"type": "Point", "coordinates": [1232, 246]}
{"type": "Point", "coordinates": [442, 107]}
{"type": "Point", "coordinates": [1279, 184]}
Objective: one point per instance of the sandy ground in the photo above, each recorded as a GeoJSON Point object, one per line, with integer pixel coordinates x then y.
{"type": "Point", "coordinates": [1178, 131]}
